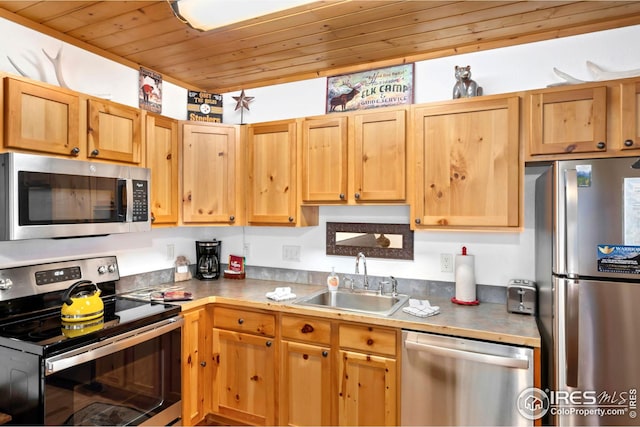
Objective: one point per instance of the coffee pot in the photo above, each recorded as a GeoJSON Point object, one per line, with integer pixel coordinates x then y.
{"type": "Point", "coordinates": [208, 259]}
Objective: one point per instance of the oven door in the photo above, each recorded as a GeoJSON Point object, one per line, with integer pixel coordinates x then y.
{"type": "Point", "coordinates": [130, 379]}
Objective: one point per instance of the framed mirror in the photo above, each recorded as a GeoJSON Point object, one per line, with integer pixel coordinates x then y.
{"type": "Point", "coordinates": [393, 241]}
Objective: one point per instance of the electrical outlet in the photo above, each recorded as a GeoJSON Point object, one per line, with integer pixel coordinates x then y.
{"type": "Point", "coordinates": [171, 252]}
{"type": "Point", "coordinates": [245, 250]}
{"type": "Point", "coordinates": [446, 263]}
{"type": "Point", "coordinates": [291, 253]}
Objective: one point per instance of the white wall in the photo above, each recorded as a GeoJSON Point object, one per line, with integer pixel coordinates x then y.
{"type": "Point", "coordinates": [499, 256]}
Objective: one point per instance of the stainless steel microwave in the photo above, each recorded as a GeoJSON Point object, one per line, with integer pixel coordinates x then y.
{"type": "Point", "coordinates": [47, 197]}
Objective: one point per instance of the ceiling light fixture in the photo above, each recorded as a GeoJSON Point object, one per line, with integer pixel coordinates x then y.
{"type": "Point", "coordinates": [205, 15]}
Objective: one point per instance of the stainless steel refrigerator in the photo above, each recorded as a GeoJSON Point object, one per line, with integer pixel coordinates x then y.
{"type": "Point", "coordinates": [588, 274]}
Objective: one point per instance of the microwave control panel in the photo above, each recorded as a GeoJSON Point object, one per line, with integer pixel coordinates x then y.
{"type": "Point", "coordinates": [140, 200]}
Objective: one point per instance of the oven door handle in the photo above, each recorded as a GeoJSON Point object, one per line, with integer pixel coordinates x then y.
{"type": "Point", "coordinates": [110, 345]}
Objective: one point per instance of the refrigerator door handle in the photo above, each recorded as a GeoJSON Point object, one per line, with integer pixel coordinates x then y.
{"type": "Point", "coordinates": [571, 222]}
{"type": "Point", "coordinates": [571, 332]}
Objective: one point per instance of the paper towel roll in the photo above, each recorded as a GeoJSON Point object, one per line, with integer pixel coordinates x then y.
{"type": "Point", "coordinates": [465, 278]}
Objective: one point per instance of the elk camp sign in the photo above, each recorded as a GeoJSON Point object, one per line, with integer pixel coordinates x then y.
{"type": "Point", "coordinates": [381, 87]}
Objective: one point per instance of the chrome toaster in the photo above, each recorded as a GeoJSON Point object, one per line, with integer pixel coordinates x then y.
{"type": "Point", "coordinates": [522, 296]}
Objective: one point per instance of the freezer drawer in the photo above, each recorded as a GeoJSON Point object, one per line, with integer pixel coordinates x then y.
{"type": "Point", "coordinates": [449, 381]}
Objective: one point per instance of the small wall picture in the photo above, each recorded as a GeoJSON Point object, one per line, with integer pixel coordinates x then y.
{"type": "Point", "coordinates": [381, 87]}
{"type": "Point", "coordinates": [150, 91]}
{"type": "Point", "coordinates": [204, 107]}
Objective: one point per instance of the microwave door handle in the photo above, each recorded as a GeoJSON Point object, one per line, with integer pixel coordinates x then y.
{"type": "Point", "coordinates": [122, 210]}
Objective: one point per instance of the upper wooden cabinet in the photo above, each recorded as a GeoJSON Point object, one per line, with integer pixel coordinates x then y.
{"type": "Point", "coordinates": [567, 120]}
{"type": "Point", "coordinates": [625, 131]}
{"type": "Point", "coordinates": [271, 162]}
{"type": "Point", "coordinates": [354, 158]}
{"type": "Point", "coordinates": [114, 131]}
{"type": "Point", "coordinates": [324, 159]}
{"type": "Point", "coordinates": [212, 180]}
{"type": "Point", "coordinates": [583, 121]}
{"type": "Point", "coordinates": [42, 118]}
{"type": "Point", "coordinates": [467, 164]}
{"type": "Point", "coordinates": [161, 149]}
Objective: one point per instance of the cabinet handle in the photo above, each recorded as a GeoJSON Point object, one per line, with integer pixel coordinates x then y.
{"type": "Point", "coordinates": [418, 221]}
{"type": "Point", "coordinates": [153, 217]}
{"type": "Point", "coordinates": [268, 343]}
{"type": "Point", "coordinates": [290, 219]}
{"type": "Point", "coordinates": [240, 321]}
{"type": "Point", "coordinates": [628, 143]}
{"type": "Point", "coordinates": [95, 152]}
{"type": "Point", "coordinates": [357, 195]}
{"type": "Point", "coordinates": [232, 218]}
{"type": "Point", "coordinates": [601, 145]}
{"type": "Point", "coordinates": [75, 151]}
{"type": "Point", "coordinates": [325, 353]}
{"type": "Point", "coordinates": [203, 364]}
{"type": "Point", "coordinates": [341, 196]}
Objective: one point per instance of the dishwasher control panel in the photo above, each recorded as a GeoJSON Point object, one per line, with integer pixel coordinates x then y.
{"type": "Point", "coordinates": [522, 296]}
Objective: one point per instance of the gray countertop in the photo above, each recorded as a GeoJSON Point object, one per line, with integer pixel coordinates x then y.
{"type": "Point", "coordinates": [486, 321]}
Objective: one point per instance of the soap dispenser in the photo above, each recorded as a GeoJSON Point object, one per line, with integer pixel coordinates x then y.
{"type": "Point", "coordinates": [333, 281]}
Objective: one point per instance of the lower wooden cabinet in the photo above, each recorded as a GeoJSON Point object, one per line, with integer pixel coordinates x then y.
{"type": "Point", "coordinates": [368, 390]}
{"type": "Point", "coordinates": [195, 372]}
{"type": "Point", "coordinates": [306, 382]}
{"type": "Point", "coordinates": [262, 368]}
{"type": "Point", "coordinates": [341, 373]}
{"type": "Point", "coordinates": [243, 383]}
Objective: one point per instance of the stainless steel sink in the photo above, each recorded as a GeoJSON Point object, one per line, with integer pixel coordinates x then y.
{"type": "Point", "coordinates": [361, 302]}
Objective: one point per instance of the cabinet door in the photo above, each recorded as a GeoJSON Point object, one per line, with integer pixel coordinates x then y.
{"type": "Point", "coordinates": [629, 119]}
{"type": "Point", "coordinates": [40, 118]}
{"type": "Point", "coordinates": [567, 121]}
{"type": "Point", "coordinates": [324, 159]}
{"type": "Point", "coordinates": [468, 171]}
{"type": "Point", "coordinates": [272, 173]}
{"type": "Point", "coordinates": [162, 158]}
{"type": "Point", "coordinates": [114, 132]}
{"type": "Point", "coordinates": [305, 385]}
{"type": "Point", "coordinates": [194, 366]}
{"type": "Point", "coordinates": [244, 377]}
{"type": "Point", "coordinates": [209, 178]}
{"type": "Point", "coordinates": [368, 390]}
{"type": "Point", "coordinates": [379, 156]}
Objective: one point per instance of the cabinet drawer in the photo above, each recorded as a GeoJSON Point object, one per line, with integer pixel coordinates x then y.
{"type": "Point", "coordinates": [250, 322]}
{"type": "Point", "coordinates": [304, 329]}
{"type": "Point", "coordinates": [368, 339]}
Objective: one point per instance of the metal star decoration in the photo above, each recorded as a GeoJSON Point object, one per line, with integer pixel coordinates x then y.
{"type": "Point", "coordinates": [242, 103]}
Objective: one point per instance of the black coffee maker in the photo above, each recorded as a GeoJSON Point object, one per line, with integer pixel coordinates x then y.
{"type": "Point", "coordinates": [208, 259]}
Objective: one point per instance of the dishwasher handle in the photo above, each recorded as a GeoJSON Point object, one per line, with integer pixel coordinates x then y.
{"type": "Point", "coordinates": [492, 359]}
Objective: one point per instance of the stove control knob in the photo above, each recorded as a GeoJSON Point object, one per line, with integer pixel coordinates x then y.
{"type": "Point", "coordinates": [111, 268]}
{"type": "Point", "coordinates": [102, 269]}
{"type": "Point", "coordinates": [5, 284]}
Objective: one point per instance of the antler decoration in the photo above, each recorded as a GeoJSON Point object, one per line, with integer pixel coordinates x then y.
{"type": "Point", "coordinates": [597, 72]}
{"type": "Point", "coordinates": [57, 66]}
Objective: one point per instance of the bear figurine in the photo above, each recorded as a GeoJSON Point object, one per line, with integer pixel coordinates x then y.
{"type": "Point", "coordinates": [465, 87]}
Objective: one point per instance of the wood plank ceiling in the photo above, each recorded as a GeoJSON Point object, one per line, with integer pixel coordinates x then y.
{"type": "Point", "coordinates": [319, 39]}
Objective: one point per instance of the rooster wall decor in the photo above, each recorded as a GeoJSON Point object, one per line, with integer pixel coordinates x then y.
{"type": "Point", "coordinates": [242, 103]}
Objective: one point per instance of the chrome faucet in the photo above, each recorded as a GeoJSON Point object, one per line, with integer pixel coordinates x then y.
{"type": "Point", "coordinates": [364, 262]}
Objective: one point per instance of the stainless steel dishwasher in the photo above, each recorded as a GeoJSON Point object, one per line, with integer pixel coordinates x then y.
{"type": "Point", "coordinates": [449, 381]}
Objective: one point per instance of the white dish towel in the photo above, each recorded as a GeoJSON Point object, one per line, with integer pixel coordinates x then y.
{"type": "Point", "coordinates": [421, 308]}
{"type": "Point", "coordinates": [281, 294]}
